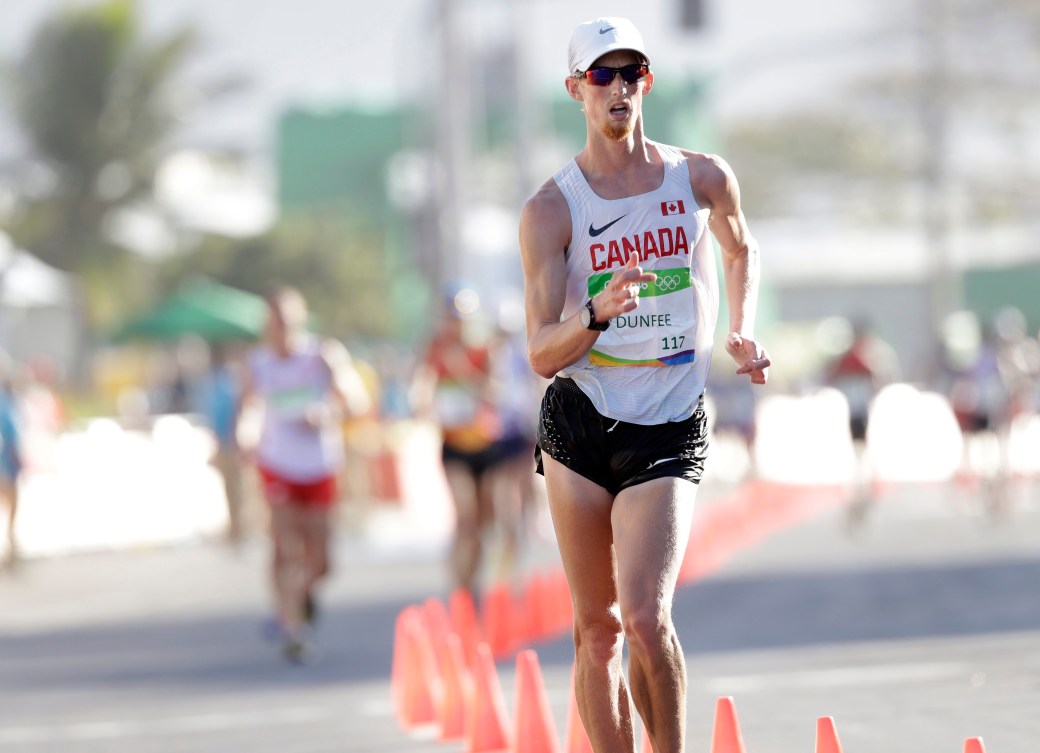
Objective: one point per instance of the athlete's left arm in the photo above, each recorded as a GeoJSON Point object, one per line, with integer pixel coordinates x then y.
{"type": "Point", "coordinates": [349, 394]}
{"type": "Point", "coordinates": [715, 185]}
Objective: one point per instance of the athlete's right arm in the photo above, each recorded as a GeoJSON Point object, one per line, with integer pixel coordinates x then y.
{"type": "Point", "coordinates": [545, 233]}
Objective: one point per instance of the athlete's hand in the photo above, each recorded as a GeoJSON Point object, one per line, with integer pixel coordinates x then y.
{"type": "Point", "coordinates": [750, 356]}
{"type": "Point", "coordinates": [316, 416]}
{"type": "Point", "coordinates": [621, 293]}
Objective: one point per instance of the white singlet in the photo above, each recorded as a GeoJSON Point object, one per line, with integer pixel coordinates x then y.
{"type": "Point", "coordinates": [651, 365]}
{"type": "Point", "coordinates": [291, 387]}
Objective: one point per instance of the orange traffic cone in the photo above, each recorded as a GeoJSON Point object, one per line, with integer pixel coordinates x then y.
{"type": "Point", "coordinates": [535, 731]}
{"type": "Point", "coordinates": [458, 690]}
{"type": "Point", "coordinates": [536, 610]}
{"type": "Point", "coordinates": [577, 738]}
{"type": "Point", "coordinates": [974, 745]}
{"type": "Point", "coordinates": [435, 614]}
{"type": "Point", "coordinates": [398, 663]}
{"type": "Point", "coordinates": [488, 720]}
{"type": "Point", "coordinates": [417, 694]}
{"type": "Point", "coordinates": [463, 614]}
{"type": "Point", "coordinates": [725, 735]}
{"type": "Point", "coordinates": [827, 736]}
{"type": "Point", "coordinates": [498, 618]}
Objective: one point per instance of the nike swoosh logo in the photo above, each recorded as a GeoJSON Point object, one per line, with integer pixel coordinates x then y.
{"type": "Point", "coordinates": [658, 462]}
{"type": "Point", "coordinates": [604, 31]}
{"type": "Point", "coordinates": [594, 231]}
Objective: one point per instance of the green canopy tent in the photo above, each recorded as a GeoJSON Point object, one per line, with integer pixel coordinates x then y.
{"type": "Point", "coordinates": [206, 309]}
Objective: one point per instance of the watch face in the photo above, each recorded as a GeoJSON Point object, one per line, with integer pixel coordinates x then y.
{"type": "Point", "coordinates": [585, 316]}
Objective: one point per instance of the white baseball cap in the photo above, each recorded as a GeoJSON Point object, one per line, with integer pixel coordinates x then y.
{"type": "Point", "coordinates": [594, 38]}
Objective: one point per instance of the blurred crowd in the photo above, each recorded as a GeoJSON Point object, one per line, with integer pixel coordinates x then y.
{"type": "Point", "coordinates": [990, 372]}
{"type": "Point", "coordinates": [470, 385]}
{"type": "Point", "coordinates": [985, 375]}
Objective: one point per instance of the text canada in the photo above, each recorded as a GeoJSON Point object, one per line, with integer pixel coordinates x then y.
{"type": "Point", "coordinates": [661, 244]}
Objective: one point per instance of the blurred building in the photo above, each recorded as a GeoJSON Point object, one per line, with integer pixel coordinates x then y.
{"type": "Point", "coordinates": [433, 119]}
{"type": "Point", "coordinates": [38, 309]}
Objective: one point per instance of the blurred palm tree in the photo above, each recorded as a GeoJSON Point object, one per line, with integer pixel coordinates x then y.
{"type": "Point", "coordinates": [959, 73]}
{"type": "Point", "coordinates": [96, 102]}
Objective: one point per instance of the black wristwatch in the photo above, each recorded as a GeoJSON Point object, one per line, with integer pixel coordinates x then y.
{"type": "Point", "coordinates": [588, 318]}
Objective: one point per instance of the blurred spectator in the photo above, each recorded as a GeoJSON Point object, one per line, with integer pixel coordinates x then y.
{"type": "Point", "coordinates": [454, 389]}
{"type": "Point", "coordinates": [394, 378]}
{"type": "Point", "coordinates": [43, 414]}
{"type": "Point", "coordinates": [305, 387]}
{"type": "Point", "coordinates": [858, 373]}
{"type": "Point", "coordinates": [217, 398]}
{"type": "Point", "coordinates": [978, 393]}
{"type": "Point", "coordinates": [11, 457]}
{"type": "Point", "coordinates": [994, 387]}
{"type": "Point", "coordinates": [1019, 362]}
{"type": "Point", "coordinates": [735, 402]}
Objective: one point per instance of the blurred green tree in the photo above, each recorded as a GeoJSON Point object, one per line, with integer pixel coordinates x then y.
{"type": "Point", "coordinates": [335, 258]}
{"type": "Point", "coordinates": [97, 103]}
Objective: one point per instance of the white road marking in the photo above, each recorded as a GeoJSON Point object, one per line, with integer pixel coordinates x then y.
{"type": "Point", "coordinates": [876, 674]}
{"type": "Point", "coordinates": [117, 729]}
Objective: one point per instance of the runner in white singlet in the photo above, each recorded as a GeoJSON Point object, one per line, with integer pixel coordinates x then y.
{"type": "Point", "coordinates": [305, 388]}
{"type": "Point", "coordinates": [622, 301]}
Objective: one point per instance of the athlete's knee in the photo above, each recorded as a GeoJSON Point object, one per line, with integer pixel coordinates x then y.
{"type": "Point", "coordinates": [320, 565]}
{"type": "Point", "coordinates": [649, 630]}
{"type": "Point", "coordinates": [280, 558]}
{"type": "Point", "coordinates": [325, 565]}
{"type": "Point", "coordinates": [600, 638]}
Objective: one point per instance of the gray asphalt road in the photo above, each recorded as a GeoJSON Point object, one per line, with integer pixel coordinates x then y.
{"type": "Point", "coordinates": [920, 629]}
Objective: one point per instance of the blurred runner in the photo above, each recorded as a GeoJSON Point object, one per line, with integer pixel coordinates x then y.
{"type": "Point", "coordinates": [859, 373]}
{"type": "Point", "coordinates": [306, 386]}
{"type": "Point", "coordinates": [516, 392]}
{"type": "Point", "coordinates": [453, 388]}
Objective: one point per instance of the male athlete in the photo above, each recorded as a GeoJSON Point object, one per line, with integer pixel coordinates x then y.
{"type": "Point", "coordinates": [622, 301]}
{"type": "Point", "coordinates": [306, 386]}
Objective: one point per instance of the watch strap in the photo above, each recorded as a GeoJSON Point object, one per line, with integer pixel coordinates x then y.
{"type": "Point", "coordinates": [593, 324]}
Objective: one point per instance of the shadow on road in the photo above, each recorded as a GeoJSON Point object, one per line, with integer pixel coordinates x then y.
{"type": "Point", "coordinates": [717, 614]}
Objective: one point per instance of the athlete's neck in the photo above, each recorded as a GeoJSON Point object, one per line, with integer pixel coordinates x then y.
{"type": "Point", "coordinates": [618, 169]}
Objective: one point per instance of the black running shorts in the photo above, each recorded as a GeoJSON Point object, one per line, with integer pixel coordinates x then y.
{"type": "Point", "coordinates": [616, 454]}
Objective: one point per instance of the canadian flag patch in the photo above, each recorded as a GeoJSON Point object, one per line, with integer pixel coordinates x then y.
{"type": "Point", "coordinates": [672, 207]}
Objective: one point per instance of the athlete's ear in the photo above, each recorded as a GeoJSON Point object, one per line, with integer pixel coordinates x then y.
{"type": "Point", "coordinates": [573, 89]}
{"type": "Point", "coordinates": [648, 83]}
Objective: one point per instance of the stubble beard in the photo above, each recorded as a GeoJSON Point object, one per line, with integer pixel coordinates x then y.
{"type": "Point", "coordinates": [619, 131]}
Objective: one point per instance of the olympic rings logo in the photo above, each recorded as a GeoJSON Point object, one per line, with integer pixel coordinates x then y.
{"type": "Point", "coordinates": [667, 283]}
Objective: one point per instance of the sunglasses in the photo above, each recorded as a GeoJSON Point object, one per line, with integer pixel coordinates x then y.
{"type": "Point", "coordinates": [604, 76]}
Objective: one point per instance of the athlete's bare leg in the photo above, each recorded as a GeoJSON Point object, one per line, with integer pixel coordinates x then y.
{"type": "Point", "coordinates": [466, 549]}
{"type": "Point", "coordinates": [651, 524]}
{"type": "Point", "coordinates": [316, 523]}
{"type": "Point", "coordinates": [622, 557]}
{"type": "Point", "coordinates": [509, 482]}
{"type": "Point", "coordinates": [9, 493]}
{"type": "Point", "coordinates": [287, 568]}
{"type": "Point", "coordinates": [581, 513]}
